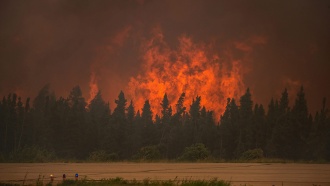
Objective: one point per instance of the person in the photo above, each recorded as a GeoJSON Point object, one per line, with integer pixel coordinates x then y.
{"type": "Point", "coordinates": [76, 176]}
{"type": "Point", "coordinates": [64, 177]}
{"type": "Point", "coordinates": [51, 178]}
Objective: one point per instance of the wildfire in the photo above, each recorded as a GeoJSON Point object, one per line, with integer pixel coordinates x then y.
{"type": "Point", "coordinates": [93, 87]}
{"type": "Point", "coordinates": [190, 69]}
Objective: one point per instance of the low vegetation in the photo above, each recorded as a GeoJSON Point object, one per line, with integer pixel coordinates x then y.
{"type": "Point", "coordinates": [253, 154]}
{"type": "Point", "coordinates": [148, 153]}
{"type": "Point", "coordinates": [32, 155]}
{"type": "Point", "coordinates": [102, 156]}
{"type": "Point", "coordinates": [122, 182]}
{"type": "Point", "coordinates": [195, 152]}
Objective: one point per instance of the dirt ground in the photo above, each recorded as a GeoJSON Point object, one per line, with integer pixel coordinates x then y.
{"type": "Point", "coordinates": [256, 174]}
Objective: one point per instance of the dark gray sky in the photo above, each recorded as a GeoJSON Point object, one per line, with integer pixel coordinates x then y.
{"type": "Point", "coordinates": [60, 42]}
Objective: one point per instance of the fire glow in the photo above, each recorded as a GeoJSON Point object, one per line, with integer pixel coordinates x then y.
{"type": "Point", "coordinates": [190, 68]}
{"type": "Point", "coordinates": [93, 87]}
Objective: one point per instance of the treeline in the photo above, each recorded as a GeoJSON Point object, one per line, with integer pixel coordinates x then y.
{"type": "Point", "coordinates": [49, 128]}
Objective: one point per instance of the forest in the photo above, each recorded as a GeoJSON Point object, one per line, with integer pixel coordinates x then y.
{"type": "Point", "coordinates": [50, 129]}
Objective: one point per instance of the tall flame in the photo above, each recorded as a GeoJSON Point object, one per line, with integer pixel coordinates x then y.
{"type": "Point", "coordinates": [190, 69]}
{"type": "Point", "coordinates": [93, 88]}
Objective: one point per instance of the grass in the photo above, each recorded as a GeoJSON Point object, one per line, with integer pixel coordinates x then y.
{"type": "Point", "coordinates": [122, 182]}
{"type": "Point", "coordinates": [146, 182]}
{"type": "Point", "coordinates": [277, 160]}
{"type": "Point", "coordinates": [208, 160]}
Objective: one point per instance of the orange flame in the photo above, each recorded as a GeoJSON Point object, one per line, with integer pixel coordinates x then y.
{"type": "Point", "coordinates": [190, 69]}
{"type": "Point", "coordinates": [93, 87]}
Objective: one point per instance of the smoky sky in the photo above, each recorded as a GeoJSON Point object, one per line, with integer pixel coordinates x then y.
{"type": "Point", "coordinates": [60, 42]}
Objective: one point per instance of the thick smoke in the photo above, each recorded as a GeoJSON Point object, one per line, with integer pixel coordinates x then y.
{"type": "Point", "coordinates": [65, 43]}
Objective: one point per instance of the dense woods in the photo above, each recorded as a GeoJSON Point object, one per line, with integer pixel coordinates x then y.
{"type": "Point", "coordinates": [49, 128]}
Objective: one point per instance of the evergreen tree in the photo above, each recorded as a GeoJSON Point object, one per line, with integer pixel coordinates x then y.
{"type": "Point", "coordinates": [12, 124]}
{"type": "Point", "coordinates": [131, 135]}
{"type": "Point", "coordinates": [72, 130]}
{"type": "Point", "coordinates": [76, 100]}
{"type": "Point", "coordinates": [166, 109]}
{"type": "Point", "coordinates": [300, 106]}
{"type": "Point", "coordinates": [20, 123]}
{"type": "Point", "coordinates": [99, 113]}
{"type": "Point", "coordinates": [180, 109]}
{"type": "Point", "coordinates": [61, 136]}
{"type": "Point", "coordinates": [148, 134]}
{"type": "Point", "coordinates": [195, 109]}
{"type": "Point", "coordinates": [163, 124]}
{"type": "Point", "coordinates": [271, 120]}
{"type": "Point", "coordinates": [98, 107]}
{"type": "Point", "coordinates": [229, 130]}
{"type": "Point", "coordinates": [284, 103]}
{"type": "Point", "coordinates": [259, 127]}
{"type": "Point", "coordinates": [179, 106]}
{"type": "Point", "coordinates": [146, 114]}
{"type": "Point", "coordinates": [130, 113]}
{"type": "Point", "coordinates": [7, 124]}
{"type": "Point", "coordinates": [40, 125]}
{"type": "Point", "coordinates": [193, 133]}
{"type": "Point", "coordinates": [208, 129]}
{"type": "Point", "coordinates": [77, 131]}
{"type": "Point", "coordinates": [24, 118]}
{"type": "Point", "coordinates": [4, 113]}
{"type": "Point", "coordinates": [137, 136]}
{"type": "Point", "coordinates": [319, 139]}
{"type": "Point", "coordinates": [134, 135]}
{"type": "Point", "coordinates": [246, 105]}
{"type": "Point", "coordinates": [138, 115]}
{"type": "Point", "coordinates": [176, 143]}
{"type": "Point", "coordinates": [119, 111]}
{"type": "Point", "coordinates": [245, 124]}
{"type": "Point", "coordinates": [279, 120]}
{"type": "Point", "coordinates": [300, 127]}
{"type": "Point", "coordinates": [118, 129]}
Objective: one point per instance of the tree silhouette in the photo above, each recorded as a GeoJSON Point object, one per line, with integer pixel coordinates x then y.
{"type": "Point", "coordinates": [229, 130]}
{"type": "Point", "coordinates": [130, 113]}
{"type": "Point", "coordinates": [148, 134]}
{"type": "Point", "coordinates": [245, 138]}
{"type": "Point", "coordinates": [66, 128]}
{"type": "Point", "coordinates": [166, 109]}
{"type": "Point", "coordinates": [119, 111]}
{"type": "Point", "coordinates": [99, 115]}
{"type": "Point", "coordinates": [117, 131]}
{"type": "Point", "coordinates": [77, 134]}
{"type": "Point", "coordinates": [299, 129]}
{"type": "Point", "coordinates": [146, 114]}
